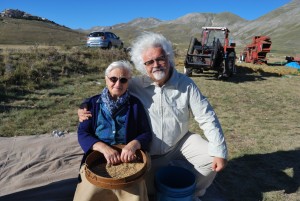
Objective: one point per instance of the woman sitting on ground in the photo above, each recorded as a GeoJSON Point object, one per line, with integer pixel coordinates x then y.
{"type": "Point", "coordinates": [116, 118]}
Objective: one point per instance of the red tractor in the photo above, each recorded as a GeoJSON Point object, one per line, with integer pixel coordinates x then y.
{"type": "Point", "coordinates": [256, 52]}
{"type": "Point", "coordinates": [213, 51]}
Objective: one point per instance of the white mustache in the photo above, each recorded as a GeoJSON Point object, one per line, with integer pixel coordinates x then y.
{"type": "Point", "coordinates": [158, 69]}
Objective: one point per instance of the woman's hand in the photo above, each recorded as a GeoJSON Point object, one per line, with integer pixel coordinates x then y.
{"type": "Point", "coordinates": [111, 155]}
{"type": "Point", "coordinates": [83, 114]}
{"type": "Point", "coordinates": [128, 152]}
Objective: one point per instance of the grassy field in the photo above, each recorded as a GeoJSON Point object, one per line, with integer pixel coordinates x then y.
{"type": "Point", "coordinates": [258, 108]}
{"type": "Point", "coordinates": [28, 32]}
{"type": "Point", "coordinates": [260, 117]}
{"type": "Point", "coordinates": [41, 87]}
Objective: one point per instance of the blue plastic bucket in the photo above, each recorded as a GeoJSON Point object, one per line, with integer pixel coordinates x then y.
{"type": "Point", "coordinates": [175, 184]}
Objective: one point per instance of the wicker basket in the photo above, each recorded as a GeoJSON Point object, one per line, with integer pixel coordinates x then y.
{"type": "Point", "coordinates": [96, 158]}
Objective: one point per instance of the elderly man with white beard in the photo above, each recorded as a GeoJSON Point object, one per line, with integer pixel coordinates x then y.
{"type": "Point", "coordinates": [169, 98]}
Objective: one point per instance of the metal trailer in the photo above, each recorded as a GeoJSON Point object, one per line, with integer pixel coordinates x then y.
{"type": "Point", "coordinates": [256, 52]}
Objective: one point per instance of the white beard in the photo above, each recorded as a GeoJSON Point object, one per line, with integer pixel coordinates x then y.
{"type": "Point", "coordinates": [159, 75]}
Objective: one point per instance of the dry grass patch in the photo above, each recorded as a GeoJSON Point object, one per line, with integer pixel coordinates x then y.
{"type": "Point", "coordinates": [258, 109]}
{"type": "Point", "coordinates": [259, 112]}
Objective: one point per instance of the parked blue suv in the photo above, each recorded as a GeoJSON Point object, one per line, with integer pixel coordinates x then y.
{"type": "Point", "coordinates": [104, 39]}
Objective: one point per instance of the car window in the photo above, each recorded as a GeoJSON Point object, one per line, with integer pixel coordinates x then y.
{"type": "Point", "coordinates": [113, 35]}
{"type": "Point", "coordinates": [96, 34]}
{"type": "Point", "coordinates": [93, 34]}
{"type": "Point", "coordinates": [109, 35]}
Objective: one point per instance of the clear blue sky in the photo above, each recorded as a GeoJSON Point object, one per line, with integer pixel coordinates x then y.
{"type": "Point", "coordinates": [86, 14]}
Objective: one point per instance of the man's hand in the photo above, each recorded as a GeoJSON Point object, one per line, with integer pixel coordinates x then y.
{"type": "Point", "coordinates": [83, 114]}
{"type": "Point", "coordinates": [218, 164]}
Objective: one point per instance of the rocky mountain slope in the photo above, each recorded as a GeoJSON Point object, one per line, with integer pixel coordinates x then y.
{"type": "Point", "coordinates": [282, 25]}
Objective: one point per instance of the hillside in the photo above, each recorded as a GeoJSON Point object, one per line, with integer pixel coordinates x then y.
{"type": "Point", "coordinates": [282, 25]}
{"type": "Point", "coordinates": [15, 31]}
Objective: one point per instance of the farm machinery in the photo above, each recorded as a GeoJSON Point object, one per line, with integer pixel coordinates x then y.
{"type": "Point", "coordinates": [256, 52]}
{"type": "Point", "coordinates": [213, 51]}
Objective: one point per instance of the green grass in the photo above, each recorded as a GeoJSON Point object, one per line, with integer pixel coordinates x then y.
{"type": "Point", "coordinates": [40, 89]}
{"type": "Point", "coordinates": [45, 110]}
{"type": "Point", "coordinates": [258, 109]}
{"type": "Point", "coordinates": [260, 117]}
{"type": "Point", "coordinates": [30, 32]}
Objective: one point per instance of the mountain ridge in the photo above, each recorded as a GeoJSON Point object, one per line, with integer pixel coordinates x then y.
{"type": "Point", "coordinates": [282, 25]}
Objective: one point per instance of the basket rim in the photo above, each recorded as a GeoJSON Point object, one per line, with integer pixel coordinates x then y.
{"type": "Point", "coordinates": [112, 183]}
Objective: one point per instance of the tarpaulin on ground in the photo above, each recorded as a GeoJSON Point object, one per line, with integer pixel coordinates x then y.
{"type": "Point", "coordinates": [293, 65]}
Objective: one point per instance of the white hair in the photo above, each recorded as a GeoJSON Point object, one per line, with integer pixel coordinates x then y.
{"type": "Point", "coordinates": [119, 65]}
{"type": "Point", "coordinates": [148, 40]}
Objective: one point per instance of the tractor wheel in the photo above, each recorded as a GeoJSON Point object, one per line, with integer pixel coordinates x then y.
{"type": "Point", "coordinates": [217, 55]}
{"type": "Point", "coordinates": [221, 75]}
{"type": "Point", "coordinates": [217, 47]}
{"type": "Point", "coordinates": [187, 71]}
{"type": "Point", "coordinates": [231, 64]}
